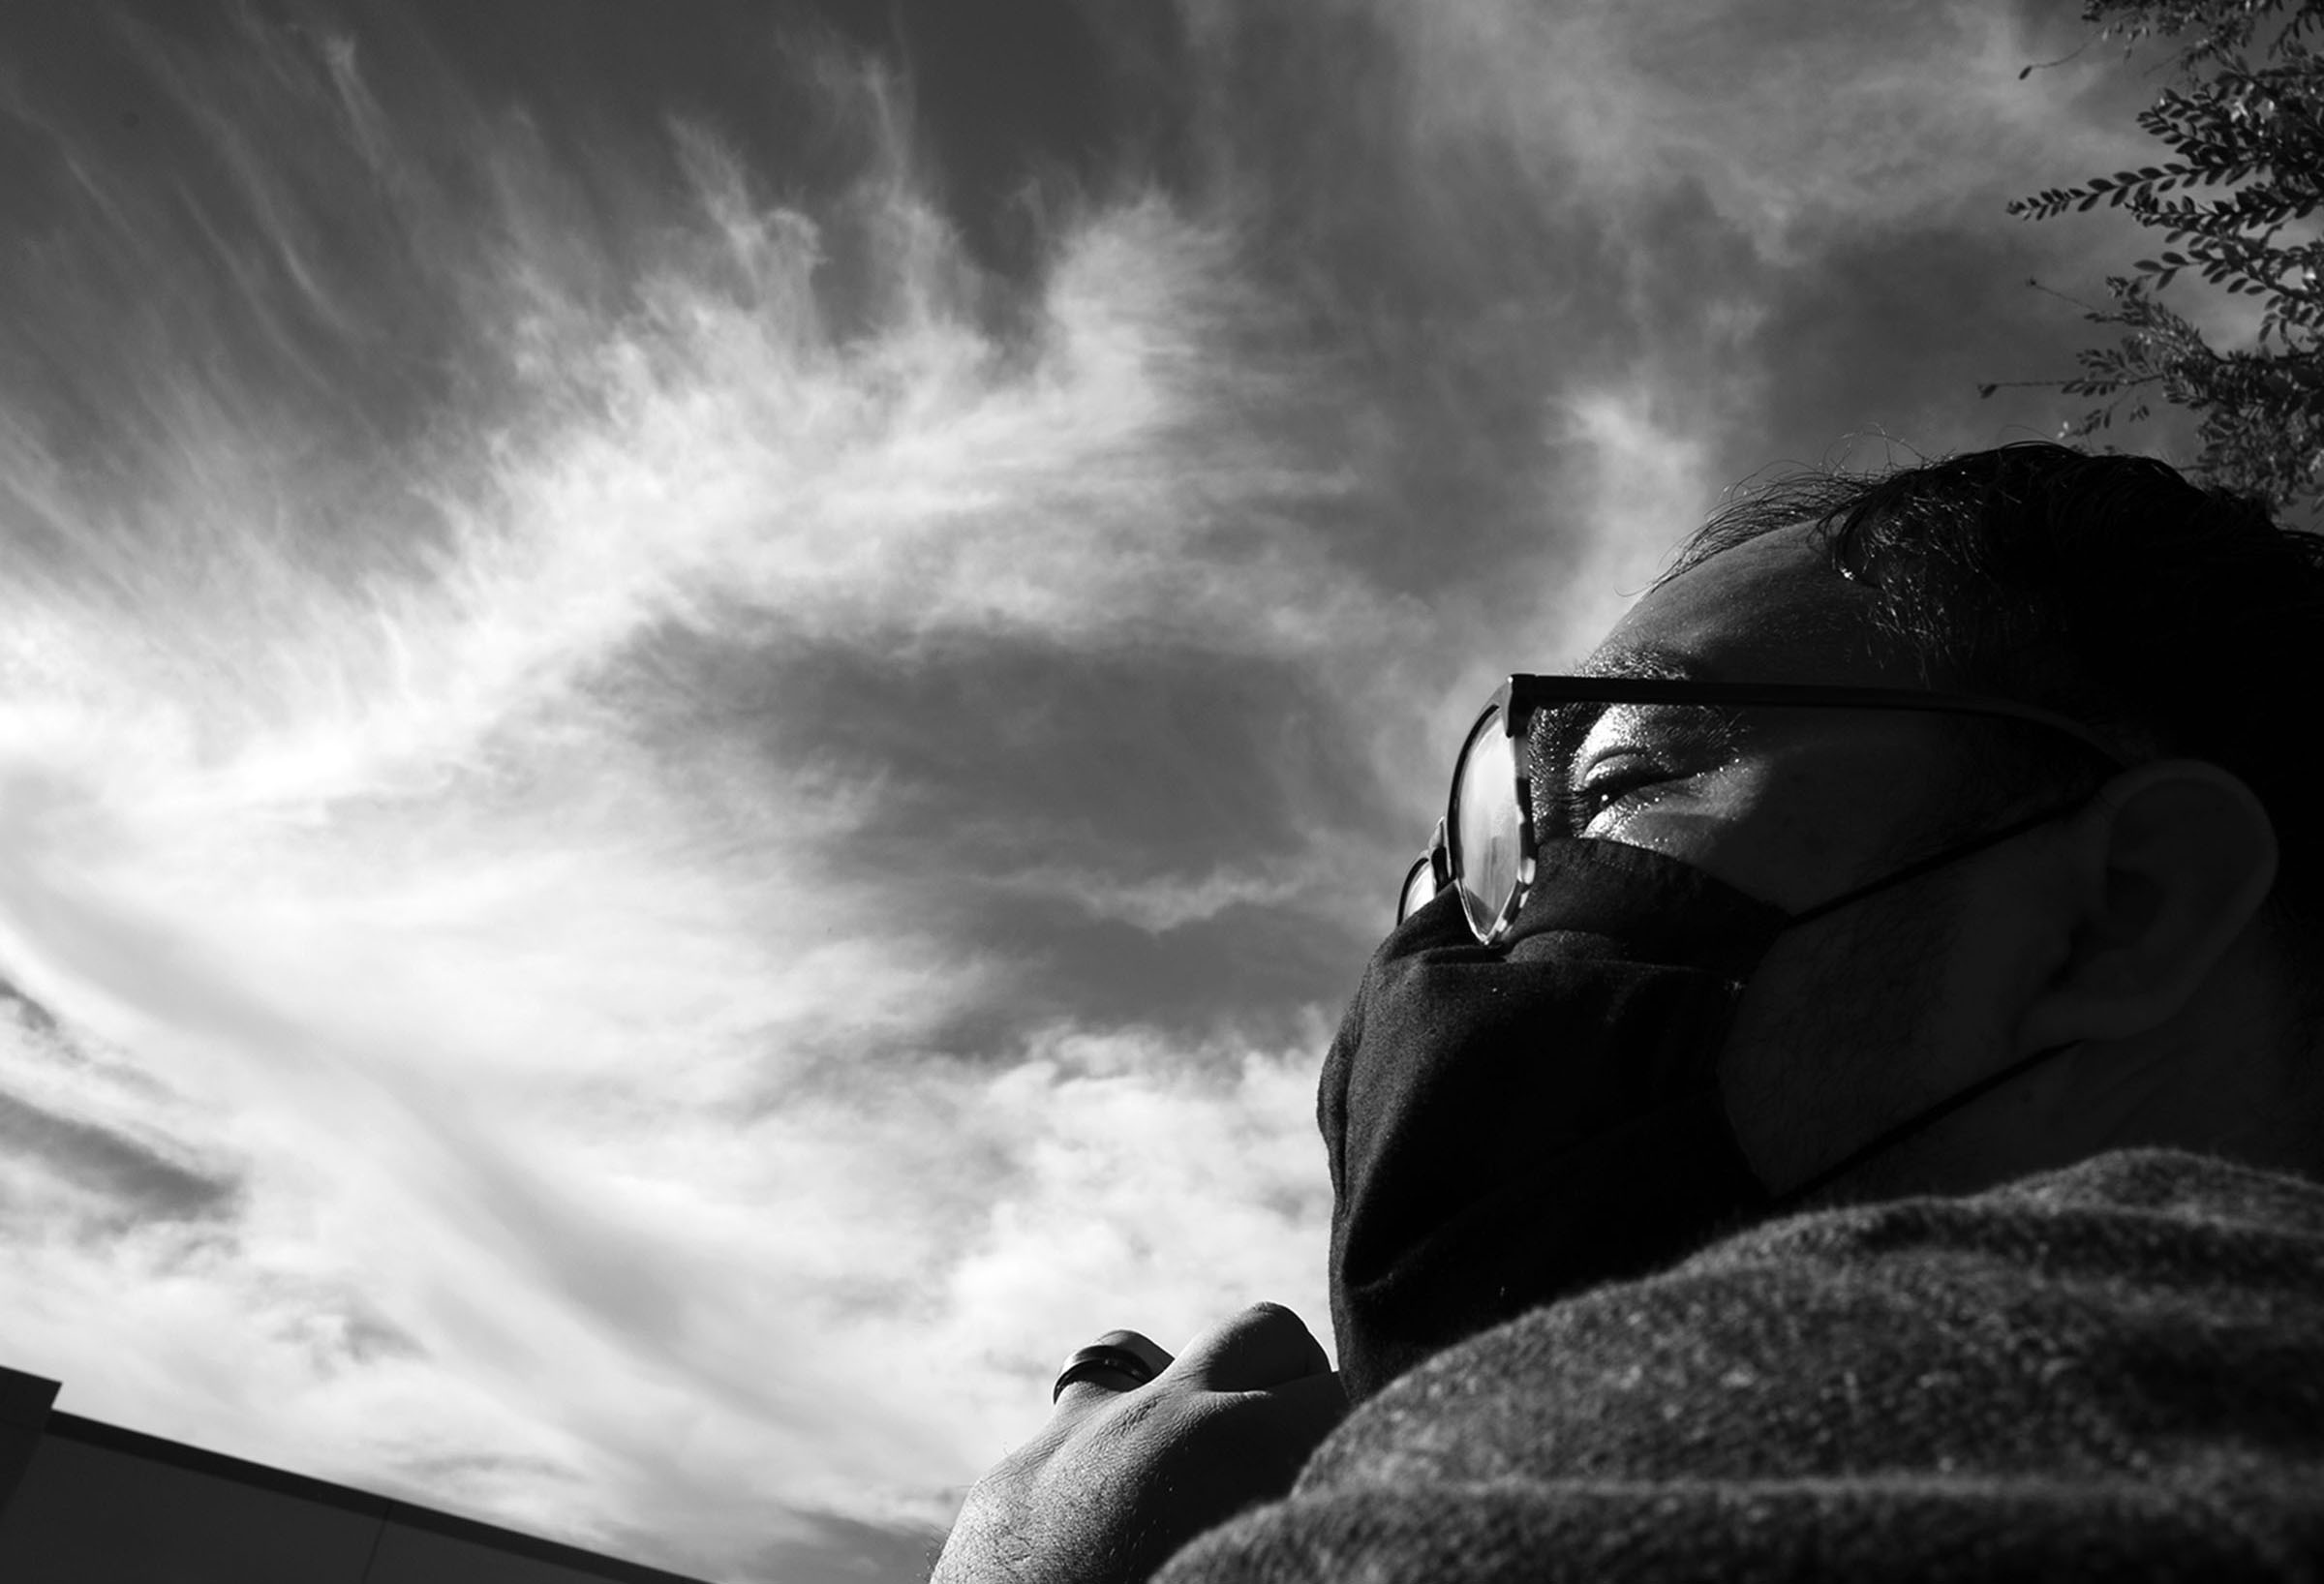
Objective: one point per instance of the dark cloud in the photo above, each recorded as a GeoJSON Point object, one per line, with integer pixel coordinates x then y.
{"type": "Point", "coordinates": [1025, 110]}
{"type": "Point", "coordinates": [1247, 974]}
{"type": "Point", "coordinates": [1455, 283]}
{"type": "Point", "coordinates": [1010, 754]}
{"type": "Point", "coordinates": [1016, 789]}
{"type": "Point", "coordinates": [132, 1181]}
{"type": "Point", "coordinates": [200, 244]}
{"type": "Point", "coordinates": [35, 1018]}
{"type": "Point", "coordinates": [837, 1550]}
{"type": "Point", "coordinates": [1893, 333]}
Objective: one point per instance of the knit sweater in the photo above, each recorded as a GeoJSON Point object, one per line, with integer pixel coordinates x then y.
{"type": "Point", "coordinates": [2113, 1371]}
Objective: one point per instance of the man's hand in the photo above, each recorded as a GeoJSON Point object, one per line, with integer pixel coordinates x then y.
{"type": "Point", "coordinates": [1119, 1478]}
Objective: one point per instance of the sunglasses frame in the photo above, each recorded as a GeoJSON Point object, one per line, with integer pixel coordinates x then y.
{"type": "Point", "coordinates": [1517, 700]}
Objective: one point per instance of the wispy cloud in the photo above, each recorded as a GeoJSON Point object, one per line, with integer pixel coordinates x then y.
{"type": "Point", "coordinates": [508, 910]}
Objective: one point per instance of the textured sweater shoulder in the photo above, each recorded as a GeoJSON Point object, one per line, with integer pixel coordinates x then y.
{"type": "Point", "coordinates": [2113, 1371]}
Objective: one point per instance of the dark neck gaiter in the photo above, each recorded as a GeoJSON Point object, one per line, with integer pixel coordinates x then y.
{"type": "Point", "coordinates": [1511, 1125]}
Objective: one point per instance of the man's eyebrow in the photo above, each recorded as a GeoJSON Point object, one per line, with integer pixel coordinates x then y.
{"type": "Point", "coordinates": [1646, 660]}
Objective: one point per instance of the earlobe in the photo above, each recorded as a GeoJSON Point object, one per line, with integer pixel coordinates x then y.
{"type": "Point", "coordinates": [2173, 859]}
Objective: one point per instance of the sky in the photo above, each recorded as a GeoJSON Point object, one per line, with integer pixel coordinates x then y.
{"type": "Point", "coordinates": [704, 709]}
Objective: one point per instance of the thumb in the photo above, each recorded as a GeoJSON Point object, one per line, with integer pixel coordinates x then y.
{"type": "Point", "coordinates": [1265, 1345]}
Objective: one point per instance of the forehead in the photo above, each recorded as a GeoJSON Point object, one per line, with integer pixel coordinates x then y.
{"type": "Point", "coordinates": [1770, 609]}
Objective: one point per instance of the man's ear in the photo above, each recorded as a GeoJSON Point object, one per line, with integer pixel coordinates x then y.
{"type": "Point", "coordinates": [2170, 861]}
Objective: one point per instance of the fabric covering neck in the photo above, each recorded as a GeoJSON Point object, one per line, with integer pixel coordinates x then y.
{"type": "Point", "coordinates": [2114, 1371]}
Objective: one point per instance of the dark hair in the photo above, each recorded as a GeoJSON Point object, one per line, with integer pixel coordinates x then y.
{"type": "Point", "coordinates": [2177, 619]}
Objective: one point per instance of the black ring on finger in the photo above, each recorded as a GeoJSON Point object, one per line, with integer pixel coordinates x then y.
{"type": "Point", "coordinates": [1100, 1358]}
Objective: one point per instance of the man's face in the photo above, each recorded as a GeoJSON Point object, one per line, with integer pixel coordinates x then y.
{"type": "Point", "coordinates": [1859, 1018]}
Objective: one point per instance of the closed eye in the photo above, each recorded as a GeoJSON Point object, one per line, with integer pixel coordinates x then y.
{"type": "Point", "coordinates": [1620, 787]}
{"type": "Point", "coordinates": [1630, 757]}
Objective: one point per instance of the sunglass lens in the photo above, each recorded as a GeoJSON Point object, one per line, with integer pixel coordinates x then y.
{"type": "Point", "coordinates": [1486, 837]}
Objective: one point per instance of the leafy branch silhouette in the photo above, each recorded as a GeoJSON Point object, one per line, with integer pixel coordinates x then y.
{"type": "Point", "coordinates": [2257, 132]}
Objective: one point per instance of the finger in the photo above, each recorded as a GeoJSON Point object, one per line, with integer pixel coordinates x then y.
{"type": "Point", "coordinates": [1265, 1345]}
